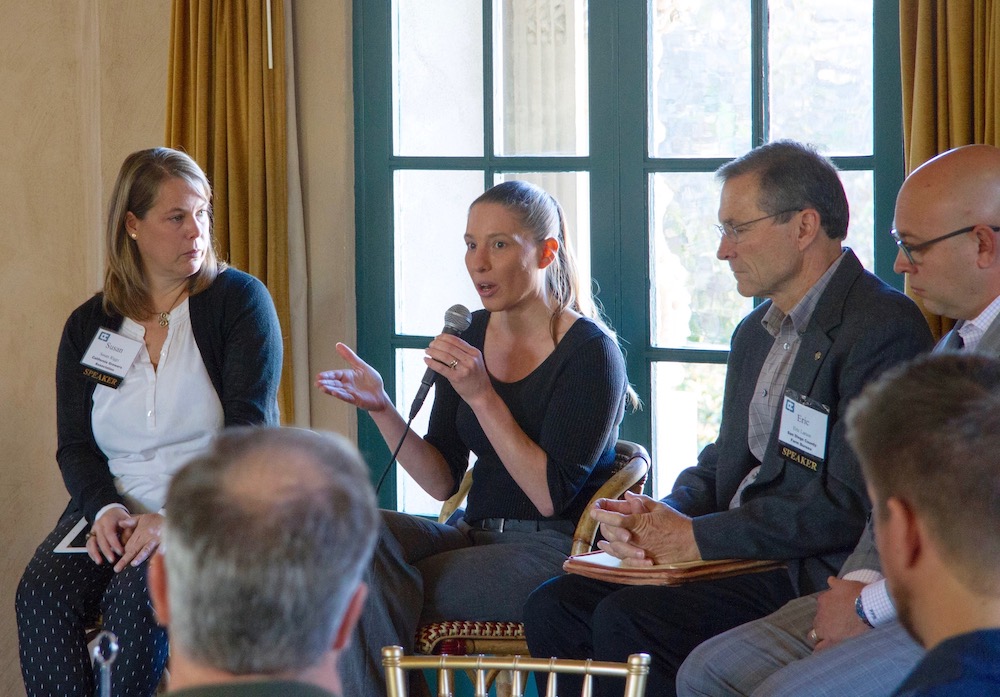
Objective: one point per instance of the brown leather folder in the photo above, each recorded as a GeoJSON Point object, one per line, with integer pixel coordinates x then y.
{"type": "Point", "coordinates": [604, 567]}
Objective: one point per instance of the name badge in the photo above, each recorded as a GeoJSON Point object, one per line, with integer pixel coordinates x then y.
{"type": "Point", "coordinates": [109, 357]}
{"type": "Point", "coordinates": [802, 434]}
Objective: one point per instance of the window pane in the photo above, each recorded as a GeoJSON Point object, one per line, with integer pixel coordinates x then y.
{"type": "Point", "coordinates": [699, 78]}
{"type": "Point", "coordinates": [860, 188]}
{"type": "Point", "coordinates": [437, 76]}
{"type": "Point", "coordinates": [431, 208]}
{"type": "Point", "coordinates": [693, 298]}
{"type": "Point", "coordinates": [572, 190]}
{"type": "Point", "coordinates": [687, 410]}
{"type": "Point", "coordinates": [409, 371]}
{"type": "Point", "coordinates": [820, 55]}
{"type": "Point", "coordinates": [540, 77]}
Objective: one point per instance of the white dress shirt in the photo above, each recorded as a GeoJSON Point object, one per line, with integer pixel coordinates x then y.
{"type": "Point", "coordinates": [157, 419]}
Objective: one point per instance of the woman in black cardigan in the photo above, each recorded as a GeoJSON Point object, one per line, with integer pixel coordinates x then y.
{"type": "Point", "coordinates": [176, 347]}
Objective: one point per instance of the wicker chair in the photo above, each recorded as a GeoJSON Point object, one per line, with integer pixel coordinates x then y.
{"type": "Point", "coordinates": [458, 637]}
{"type": "Point", "coordinates": [635, 672]}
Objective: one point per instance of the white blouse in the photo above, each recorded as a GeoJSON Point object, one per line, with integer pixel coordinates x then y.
{"type": "Point", "coordinates": [157, 419]}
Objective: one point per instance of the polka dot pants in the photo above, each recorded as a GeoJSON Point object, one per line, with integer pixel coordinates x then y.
{"type": "Point", "coordinates": [59, 596]}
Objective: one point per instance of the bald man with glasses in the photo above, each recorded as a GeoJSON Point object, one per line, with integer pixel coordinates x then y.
{"type": "Point", "coordinates": [848, 641]}
{"type": "Point", "coordinates": [826, 327]}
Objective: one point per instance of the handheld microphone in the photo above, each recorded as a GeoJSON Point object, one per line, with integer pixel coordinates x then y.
{"type": "Point", "coordinates": [456, 320]}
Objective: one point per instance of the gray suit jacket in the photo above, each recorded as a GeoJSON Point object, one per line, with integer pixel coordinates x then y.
{"type": "Point", "coordinates": [865, 555]}
{"type": "Point", "coordinates": [811, 519]}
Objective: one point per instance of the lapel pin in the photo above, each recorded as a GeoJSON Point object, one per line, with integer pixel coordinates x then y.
{"type": "Point", "coordinates": [817, 355]}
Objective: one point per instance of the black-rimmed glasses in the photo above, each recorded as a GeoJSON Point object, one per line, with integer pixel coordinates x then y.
{"type": "Point", "coordinates": [733, 231]}
{"type": "Point", "coordinates": [909, 249]}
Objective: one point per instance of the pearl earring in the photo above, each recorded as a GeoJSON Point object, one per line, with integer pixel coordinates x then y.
{"type": "Point", "coordinates": [134, 236]}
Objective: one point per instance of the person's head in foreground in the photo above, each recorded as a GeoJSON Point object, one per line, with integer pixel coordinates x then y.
{"type": "Point", "coordinates": [928, 437]}
{"type": "Point", "coordinates": [266, 539]}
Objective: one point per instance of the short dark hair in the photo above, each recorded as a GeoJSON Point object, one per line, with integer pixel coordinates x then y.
{"type": "Point", "coordinates": [793, 176]}
{"type": "Point", "coordinates": [928, 432]}
{"type": "Point", "coordinates": [265, 541]}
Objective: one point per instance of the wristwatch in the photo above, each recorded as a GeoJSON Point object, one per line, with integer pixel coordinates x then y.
{"type": "Point", "coordinates": [860, 609]}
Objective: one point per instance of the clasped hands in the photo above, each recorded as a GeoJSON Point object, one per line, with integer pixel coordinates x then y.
{"type": "Point", "coordinates": [642, 531]}
{"type": "Point", "coordinates": [123, 539]}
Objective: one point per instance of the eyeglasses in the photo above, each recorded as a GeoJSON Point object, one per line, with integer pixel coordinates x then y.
{"type": "Point", "coordinates": [733, 231]}
{"type": "Point", "coordinates": [909, 249]}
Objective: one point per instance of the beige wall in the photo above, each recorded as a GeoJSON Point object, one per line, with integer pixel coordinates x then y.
{"type": "Point", "coordinates": [83, 84]}
{"type": "Point", "coordinates": [326, 149]}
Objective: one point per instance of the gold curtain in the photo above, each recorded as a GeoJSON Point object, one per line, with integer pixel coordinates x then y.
{"type": "Point", "coordinates": [226, 108]}
{"type": "Point", "coordinates": [950, 59]}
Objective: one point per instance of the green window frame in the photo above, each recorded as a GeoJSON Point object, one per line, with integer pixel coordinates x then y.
{"type": "Point", "coordinates": [619, 168]}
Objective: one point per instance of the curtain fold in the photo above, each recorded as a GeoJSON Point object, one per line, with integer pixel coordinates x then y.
{"type": "Point", "coordinates": [950, 62]}
{"type": "Point", "coordinates": [226, 107]}
{"type": "Point", "coordinates": [301, 381]}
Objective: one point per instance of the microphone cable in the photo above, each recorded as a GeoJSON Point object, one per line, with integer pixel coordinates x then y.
{"type": "Point", "coordinates": [392, 458]}
{"type": "Point", "coordinates": [456, 320]}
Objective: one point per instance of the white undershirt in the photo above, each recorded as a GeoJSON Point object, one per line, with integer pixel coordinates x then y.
{"type": "Point", "coordinates": [157, 419]}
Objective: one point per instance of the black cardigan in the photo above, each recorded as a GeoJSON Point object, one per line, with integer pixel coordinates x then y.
{"type": "Point", "coordinates": [236, 329]}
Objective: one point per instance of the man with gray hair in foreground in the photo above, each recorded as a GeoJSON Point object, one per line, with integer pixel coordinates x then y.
{"type": "Point", "coordinates": [259, 577]}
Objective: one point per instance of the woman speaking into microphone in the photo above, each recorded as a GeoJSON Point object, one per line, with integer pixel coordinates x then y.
{"type": "Point", "coordinates": [536, 389]}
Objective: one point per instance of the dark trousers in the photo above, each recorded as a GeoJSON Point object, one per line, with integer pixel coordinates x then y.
{"type": "Point", "coordinates": [59, 596]}
{"type": "Point", "coordinates": [425, 572]}
{"type": "Point", "coordinates": [576, 617]}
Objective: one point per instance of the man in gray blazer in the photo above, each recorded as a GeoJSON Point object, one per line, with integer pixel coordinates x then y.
{"type": "Point", "coordinates": [847, 641]}
{"type": "Point", "coordinates": [764, 489]}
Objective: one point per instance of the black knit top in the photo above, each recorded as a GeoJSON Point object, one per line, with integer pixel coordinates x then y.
{"type": "Point", "coordinates": [571, 406]}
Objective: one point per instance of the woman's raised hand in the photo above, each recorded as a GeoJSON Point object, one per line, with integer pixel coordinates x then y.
{"type": "Point", "coordinates": [358, 384]}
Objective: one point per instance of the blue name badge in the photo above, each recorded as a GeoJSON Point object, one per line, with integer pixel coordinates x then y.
{"type": "Point", "coordinates": [802, 433]}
